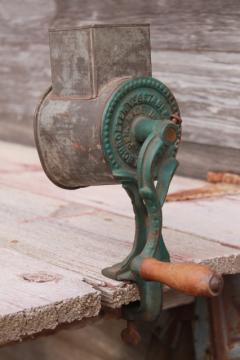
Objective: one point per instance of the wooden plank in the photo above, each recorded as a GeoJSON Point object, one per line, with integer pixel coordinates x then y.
{"type": "Point", "coordinates": [206, 87]}
{"type": "Point", "coordinates": [57, 238]}
{"type": "Point", "coordinates": [24, 59]}
{"type": "Point", "coordinates": [184, 26]}
{"type": "Point", "coordinates": [71, 230]}
{"type": "Point", "coordinates": [111, 199]}
{"type": "Point", "coordinates": [114, 199]}
{"type": "Point", "coordinates": [197, 159]}
{"type": "Point", "coordinates": [194, 52]}
{"type": "Point", "coordinates": [214, 219]}
{"type": "Point", "coordinates": [77, 241]}
{"type": "Point", "coordinates": [37, 296]}
{"type": "Point", "coordinates": [20, 166]}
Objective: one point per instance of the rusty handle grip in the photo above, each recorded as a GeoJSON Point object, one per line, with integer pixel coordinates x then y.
{"type": "Point", "coordinates": [192, 279]}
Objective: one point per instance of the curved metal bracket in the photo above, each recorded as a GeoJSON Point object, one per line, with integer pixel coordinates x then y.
{"type": "Point", "coordinates": [156, 160]}
{"type": "Point", "coordinates": [141, 129]}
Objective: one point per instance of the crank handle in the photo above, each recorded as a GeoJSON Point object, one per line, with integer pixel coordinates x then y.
{"type": "Point", "coordinates": [190, 278]}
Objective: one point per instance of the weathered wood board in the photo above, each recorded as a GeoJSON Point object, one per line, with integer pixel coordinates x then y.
{"type": "Point", "coordinates": [34, 297]}
{"type": "Point", "coordinates": [66, 233]}
{"type": "Point", "coordinates": [196, 51]}
{"type": "Point", "coordinates": [197, 159]}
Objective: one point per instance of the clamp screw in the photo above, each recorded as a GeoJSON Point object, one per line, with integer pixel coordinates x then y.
{"type": "Point", "coordinates": [131, 335]}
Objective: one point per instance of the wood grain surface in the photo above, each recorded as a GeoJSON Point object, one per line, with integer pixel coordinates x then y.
{"type": "Point", "coordinates": [47, 230]}
{"type": "Point", "coordinates": [196, 52]}
{"type": "Point", "coordinates": [34, 298]}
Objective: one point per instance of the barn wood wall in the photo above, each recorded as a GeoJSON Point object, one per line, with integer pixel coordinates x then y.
{"type": "Point", "coordinates": [195, 51]}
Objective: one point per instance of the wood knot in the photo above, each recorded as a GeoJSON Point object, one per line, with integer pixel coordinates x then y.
{"type": "Point", "coordinates": [41, 277]}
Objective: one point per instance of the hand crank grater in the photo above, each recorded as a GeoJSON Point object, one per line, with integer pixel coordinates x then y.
{"type": "Point", "coordinates": [105, 120]}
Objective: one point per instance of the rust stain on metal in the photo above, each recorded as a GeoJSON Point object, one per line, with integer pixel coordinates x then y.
{"type": "Point", "coordinates": [41, 277]}
{"type": "Point", "coordinates": [131, 335]}
{"type": "Point", "coordinates": [171, 135]}
{"type": "Point", "coordinates": [78, 58]}
{"type": "Point", "coordinates": [176, 118]}
{"type": "Point", "coordinates": [78, 146]}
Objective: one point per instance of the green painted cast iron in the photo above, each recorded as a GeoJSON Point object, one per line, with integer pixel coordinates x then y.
{"type": "Point", "coordinates": [140, 133]}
